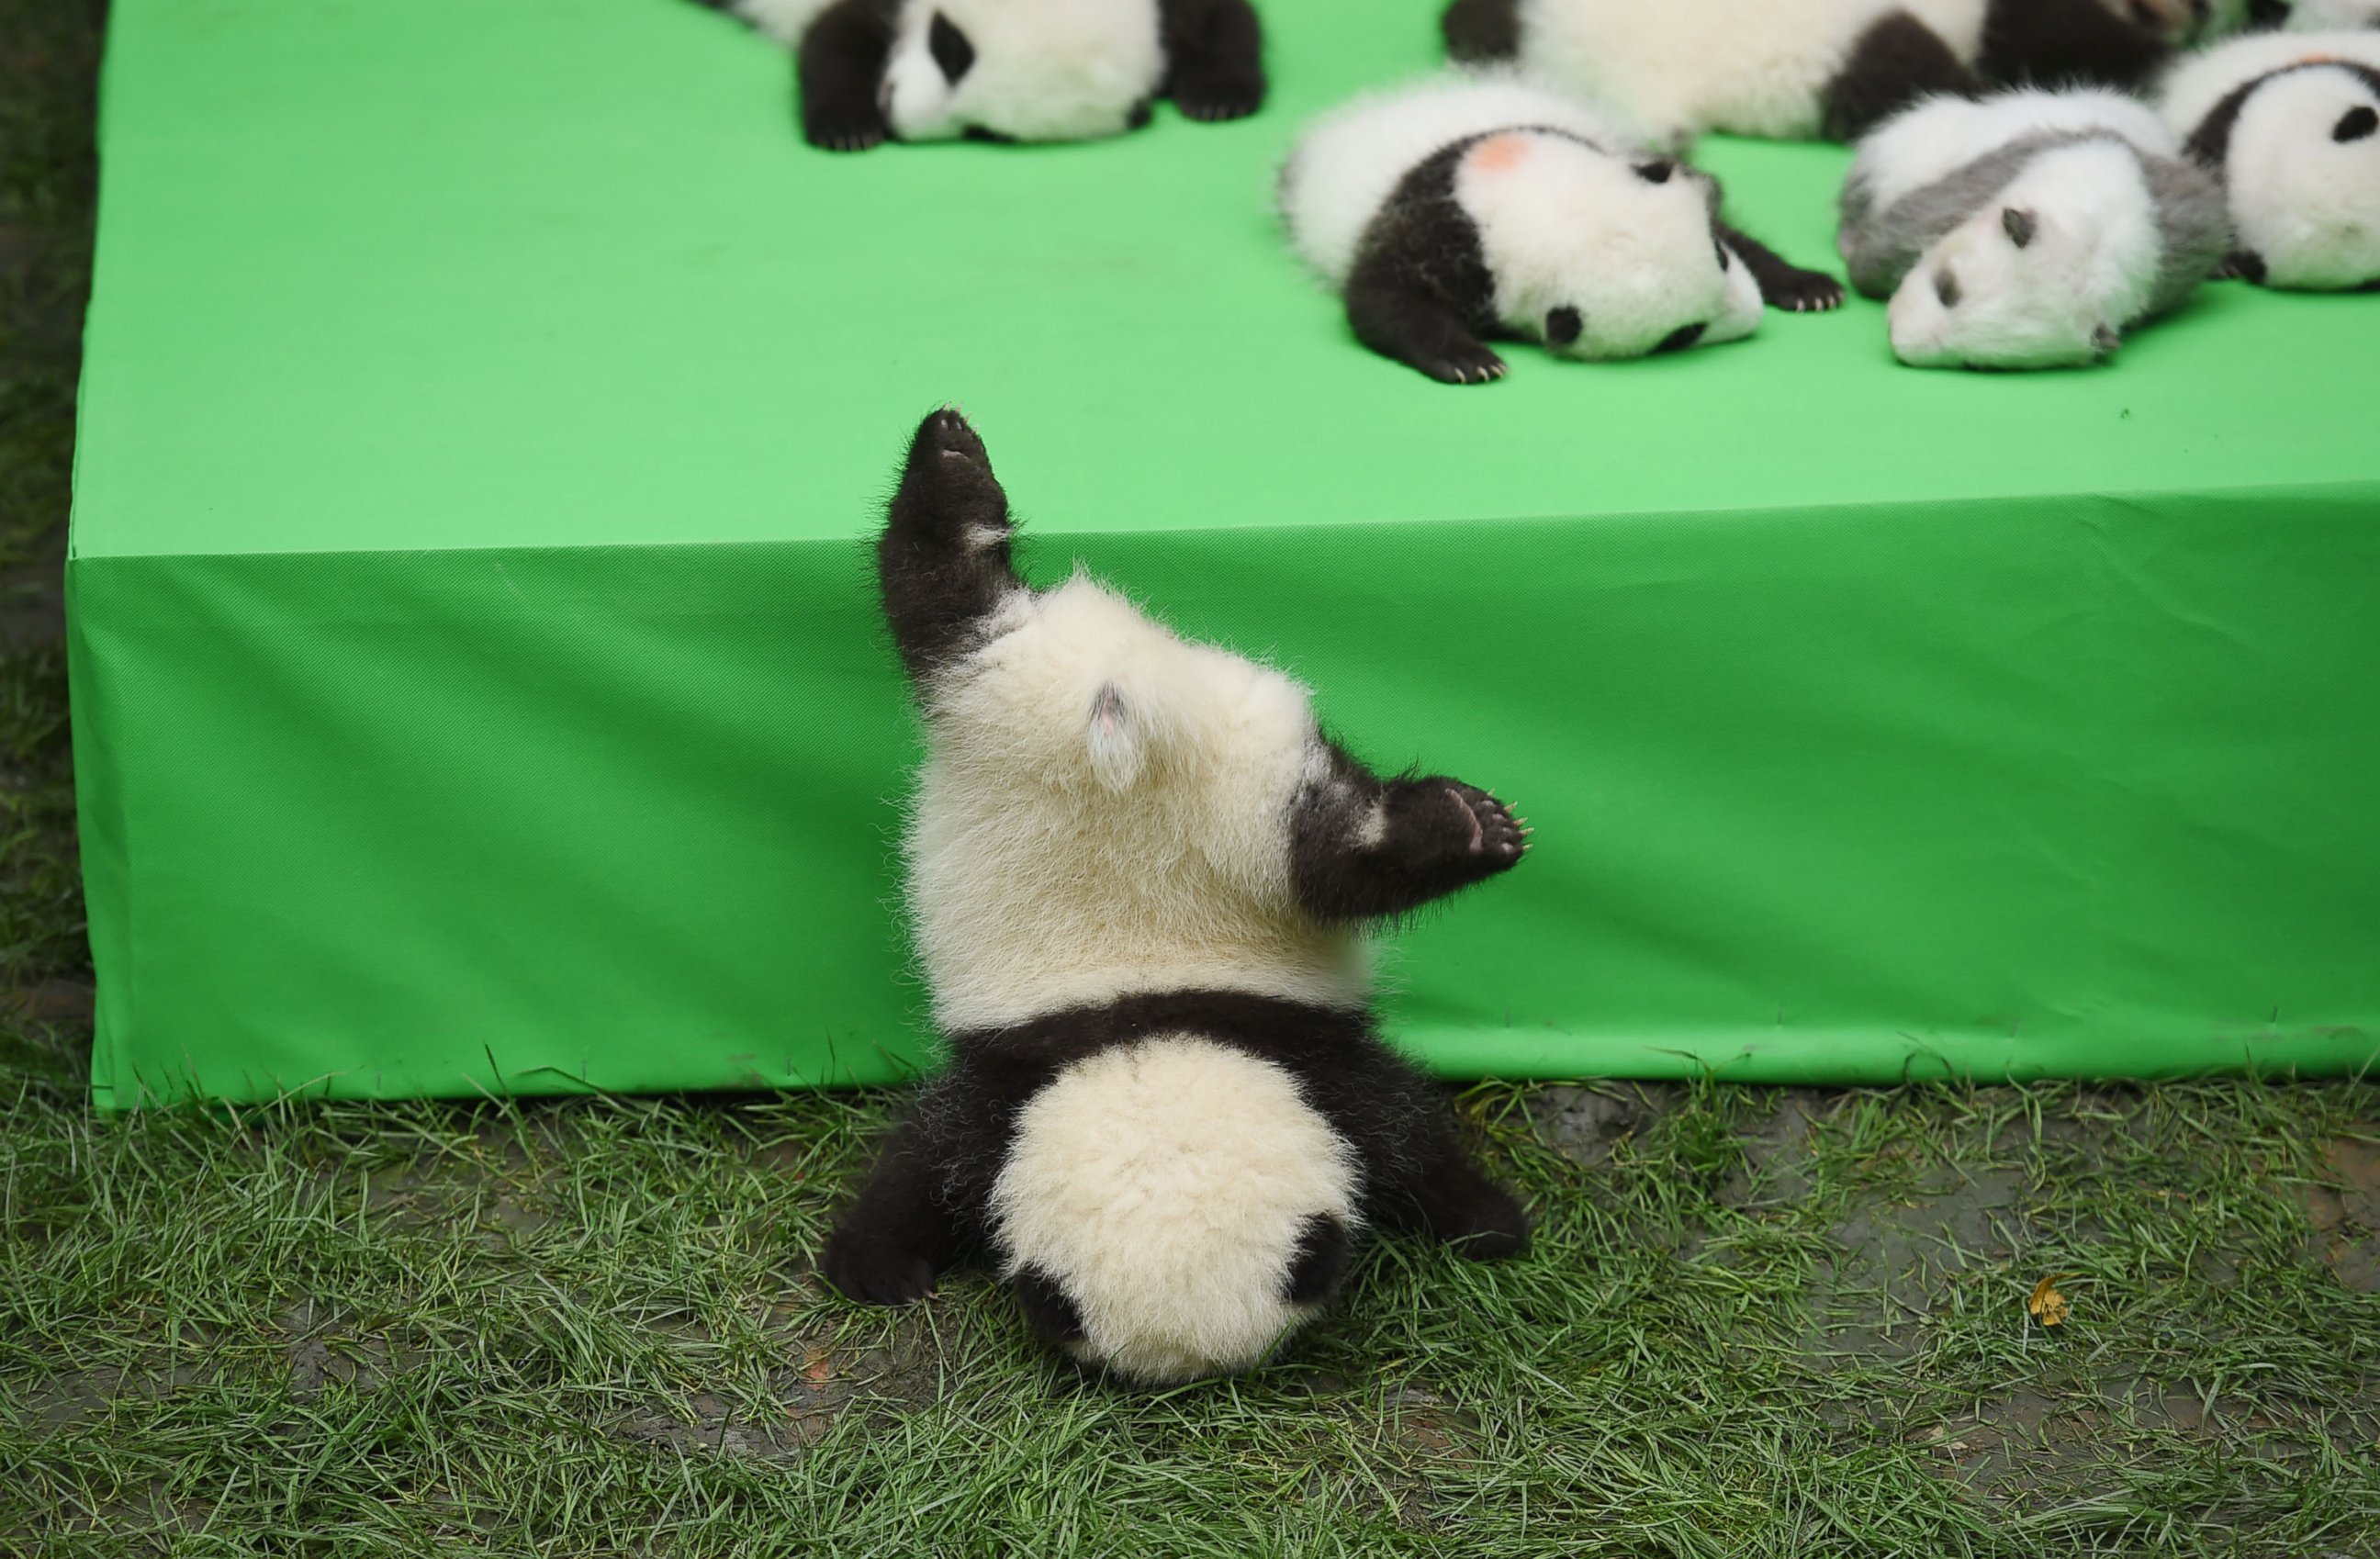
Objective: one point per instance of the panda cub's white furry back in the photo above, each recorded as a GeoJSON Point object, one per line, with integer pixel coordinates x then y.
{"type": "Point", "coordinates": [2291, 122]}
{"type": "Point", "coordinates": [2028, 230]}
{"type": "Point", "coordinates": [1798, 68]}
{"type": "Point", "coordinates": [1009, 69]}
{"type": "Point", "coordinates": [1140, 876]}
{"type": "Point", "coordinates": [1474, 205]}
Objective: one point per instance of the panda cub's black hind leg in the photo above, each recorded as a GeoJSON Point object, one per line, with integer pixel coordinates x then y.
{"type": "Point", "coordinates": [1782, 284]}
{"type": "Point", "coordinates": [943, 563]}
{"type": "Point", "coordinates": [1419, 330]}
{"type": "Point", "coordinates": [900, 1235]}
{"type": "Point", "coordinates": [1898, 60]}
{"type": "Point", "coordinates": [1214, 57]}
{"type": "Point", "coordinates": [1446, 1197]}
{"type": "Point", "coordinates": [1049, 1313]}
{"type": "Point", "coordinates": [839, 66]}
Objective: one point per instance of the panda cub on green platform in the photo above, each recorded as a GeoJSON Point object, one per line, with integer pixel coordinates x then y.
{"type": "Point", "coordinates": [872, 70]}
{"type": "Point", "coordinates": [2029, 230]}
{"type": "Point", "coordinates": [1474, 204]}
{"type": "Point", "coordinates": [1140, 876]}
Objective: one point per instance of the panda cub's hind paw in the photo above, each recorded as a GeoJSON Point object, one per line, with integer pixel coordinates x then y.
{"type": "Point", "coordinates": [875, 1271]}
{"type": "Point", "coordinates": [946, 431]}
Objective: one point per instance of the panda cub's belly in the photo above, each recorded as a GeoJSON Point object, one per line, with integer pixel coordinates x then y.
{"type": "Point", "coordinates": [1164, 1185]}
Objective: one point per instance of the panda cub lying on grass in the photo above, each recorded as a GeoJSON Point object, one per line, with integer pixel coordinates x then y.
{"type": "Point", "coordinates": [1010, 70]}
{"type": "Point", "coordinates": [1138, 879]}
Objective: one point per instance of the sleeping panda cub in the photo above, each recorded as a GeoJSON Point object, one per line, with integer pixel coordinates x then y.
{"type": "Point", "coordinates": [1138, 879]}
{"type": "Point", "coordinates": [1470, 205]}
{"type": "Point", "coordinates": [2291, 122]}
{"type": "Point", "coordinates": [1798, 68]}
{"type": "Point", "coordinates": [1010, 70]}
{"type": "Point", "coordinates": [2029, 230]}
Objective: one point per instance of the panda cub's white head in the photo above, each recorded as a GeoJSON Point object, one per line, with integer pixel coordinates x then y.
{"type": "Point", "coordinates": [2043, 276]}
{"type": "Point", "coordinates": [2302, 173]}
{"type": "Point", "coordinates": [1600, 256]}
{"type": "Point", "coordinates": [1021, 69]}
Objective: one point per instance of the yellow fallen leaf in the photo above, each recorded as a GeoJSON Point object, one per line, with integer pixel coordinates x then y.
{"type": "Point", "coordinates": [2048, 1305]}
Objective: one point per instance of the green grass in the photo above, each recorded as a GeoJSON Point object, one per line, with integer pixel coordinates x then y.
{"type": "Point", "coordinates": [1755, 1322]}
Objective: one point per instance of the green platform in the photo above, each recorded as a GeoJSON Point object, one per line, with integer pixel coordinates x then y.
{"type": "Point", "coordinates": [477, 685]}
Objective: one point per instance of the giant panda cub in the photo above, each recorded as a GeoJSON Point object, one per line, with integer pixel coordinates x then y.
{"type": "Point", "coordinates": [1798, 68]}
{"type": "Point", "coordinates": [2028, 230]}
{"type": "Point", "coordinates": [2291, 122]}
{"type": "Point", "coordinates": [1471, 205]}
{"type": "Point", "coordinates": [1140, 876]}
{"type": "Point", "coordinates": [1010, 70]}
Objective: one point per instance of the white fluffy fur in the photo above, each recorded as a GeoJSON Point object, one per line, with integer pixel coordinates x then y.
{"type": "Point", "coordinates": [1043, 70]}
{"type": "Point", "coordinates": [1168, 1181]}
{"type": "Point", "coordinates": [1678, 67]}
{"type": "Point", "coordinates": [2307, 204]}
{"type": "Point", "coordinates": [1561, 223]}
{"type": "Point", "coordinates": [1348, 160]}
{"type": "Point", "coordinates": [1105, 811]}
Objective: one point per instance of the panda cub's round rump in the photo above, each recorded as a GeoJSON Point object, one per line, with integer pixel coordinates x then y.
{"type": "Point", "coordinates": [1139, 878]}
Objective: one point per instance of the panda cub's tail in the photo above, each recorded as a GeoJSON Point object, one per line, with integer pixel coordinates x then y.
{"type": "Point", "coordinates": [1173, 1208]}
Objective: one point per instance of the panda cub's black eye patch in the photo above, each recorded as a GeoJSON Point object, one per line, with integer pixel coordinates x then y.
{"type": "Point", "coordinates": [1563, 326]}
{"type": "Point", "coordinates": [2359, 122]}
{"type": "Point", "coordinates": [950, 48]}
{"type": "Point", "coordinates": [1946, 287]}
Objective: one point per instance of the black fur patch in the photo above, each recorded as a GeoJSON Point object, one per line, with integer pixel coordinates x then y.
{"type": "Point", "coordinates": [2210, 143]}
{"type": "Point", "coordinates": [1562, 325]}
{"type": "Point", "coordinates": [952, 51]}
{"type": "Point", "coordinates": [1683, 337]}
{"type": "Point", "coordinates": [1946, 287]}
{"type": "Point", "coordinates": [1315, 1273]}
{"type": "Point", "coordinates": [2241, 264]}
{"type": "Point", "coordinates": [1898, 60]}
{"type": "Point", "coordinates": [2019, 225]}
{"type": "Point", "coordinates": [1480, 31]}
{"type": "Point", "coordinates": [1214, 57]}
{"type": "Point", "coordinates": [1420, 290]}
{"type": "Point", "coordinates": [2355, 124]}
{"type": "Point", "coordinates": [943, 561]}
{"type": "Point", "coordinates": [839, 65]}
{"type": "Point", "coordinates": [1047, 1311]}
{"type": "Point", "coordinates": [2062, 43]}
{"type": "Point", "coordinates": [1656, 171]}
{"type": "Point", "coordinates": [1782, 284]}
{"type": "Point", "coordinates": [1437, 836]}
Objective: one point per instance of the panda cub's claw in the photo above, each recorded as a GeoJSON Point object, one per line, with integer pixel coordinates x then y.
{"type": "Point", "coordinates": [1475, 365]}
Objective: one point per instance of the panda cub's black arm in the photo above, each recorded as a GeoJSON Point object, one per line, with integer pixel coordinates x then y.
{"type": "Point", "coordinates": [1214, 57]}
{"type": "Point", "coordinates": [1362, 847]}
{"type": "Point", "coordinates": [840, 66]}
{"type": "Point", "coordinates": [943, 563]}
{"type": "Point", "coordinates": [1782, 284]}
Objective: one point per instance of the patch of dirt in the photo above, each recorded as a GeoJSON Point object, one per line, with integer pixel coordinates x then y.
{"type": "Point", "coordinates": [1892, 1257]}
{"type": "Point", "coordinates": [1583, 1124]}
{"type": "Point", "coordinates": [2345, 1212]}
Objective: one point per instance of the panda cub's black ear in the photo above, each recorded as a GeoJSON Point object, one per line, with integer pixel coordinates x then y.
{"type": "Point", "coordinates": [950, 47]}
{"type": "Point", "coordinates": [1118, 739]}
{"type": "Point", "coordinates": [2019, 225]}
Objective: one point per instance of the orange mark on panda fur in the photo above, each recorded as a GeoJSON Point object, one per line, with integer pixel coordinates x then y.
{"type": "Point", "coordinates": [1500, 154]}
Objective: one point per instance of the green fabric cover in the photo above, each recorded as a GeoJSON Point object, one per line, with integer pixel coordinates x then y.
{"type": "Point", "coordinates": [477, 685]}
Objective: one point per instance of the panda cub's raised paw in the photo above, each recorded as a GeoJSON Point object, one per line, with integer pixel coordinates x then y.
{"type": "Point", "coordinates": [1442, 834]}
{"type": "Point", "coordinates": [949, 479]}
{"type": "Point", "coordinates": [946, 431]}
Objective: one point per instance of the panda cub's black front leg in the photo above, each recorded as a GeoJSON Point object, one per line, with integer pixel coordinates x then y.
{"type": "Point", "coordinates": [839, 66]}
{"type": "Point", "coordinates": [1782, 284]}
{"type": "Point", "coordinates": [943, 563]}
{"type": "Point", "coordinates": [1361, 847]}
{"type": "Point", "coordinates": [1214, 57]}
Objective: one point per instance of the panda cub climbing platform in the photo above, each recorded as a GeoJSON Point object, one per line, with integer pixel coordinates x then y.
{"type": "Point", "coordinates": [2028, 230]}
{"type": "Point", "coordinates": [2291, 124]}
{"type": "Point", "coordinates": [1138, 879]}
{"type": "Point", "coordinates": [1010, 70]}
{"type": "Point", "coordinates": [1467, 206]}
{"type": "Point", "coordinates": [1798, 68]}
